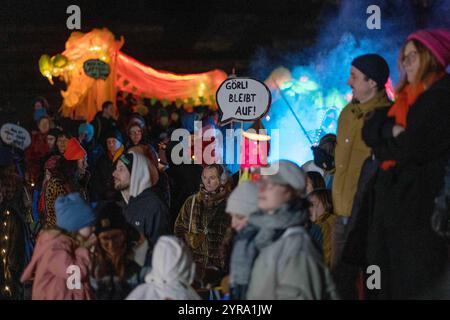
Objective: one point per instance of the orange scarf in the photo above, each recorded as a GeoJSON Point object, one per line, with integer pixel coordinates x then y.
{"type": "Point", "coordinates": [405, 99]}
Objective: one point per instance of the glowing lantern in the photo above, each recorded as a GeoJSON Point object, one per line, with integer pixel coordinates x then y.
{"type": "Point", "coordinates": [45, 66]}
{"type": "Point", "coordinates": [254, 150]}
{"type": "Point", "coordinates": [59, 61]}
{"type": "Point", "coordinates": [104, 56]}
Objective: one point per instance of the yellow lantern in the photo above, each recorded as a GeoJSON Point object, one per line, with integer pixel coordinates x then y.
{"type": "Point", "coordinates": [45, 65]}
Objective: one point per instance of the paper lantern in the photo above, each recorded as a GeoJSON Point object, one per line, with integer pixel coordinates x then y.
{"type": "Point", "coordinates": [254, 150]}
{"type": "Point", "coordinates": [45, 65]}
{"type": "Point", "coordinates": [59, 61]}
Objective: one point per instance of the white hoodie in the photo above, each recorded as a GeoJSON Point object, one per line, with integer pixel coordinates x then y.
{"type": "Point", "coordinates": [140, 176]}
{"type": "Point", "coordinates": [172, 273]}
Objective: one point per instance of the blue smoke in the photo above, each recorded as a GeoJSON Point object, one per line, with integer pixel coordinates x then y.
{"type": "Point", "coordinates": [307, 107]}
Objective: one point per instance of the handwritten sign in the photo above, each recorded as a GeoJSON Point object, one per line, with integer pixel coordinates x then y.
{"type": "Point", "coordinates": [96, 69]}
{"type": "Point", "coordinates": [16, 136]}
{"type": "Point", "coordinates": [242, 99]}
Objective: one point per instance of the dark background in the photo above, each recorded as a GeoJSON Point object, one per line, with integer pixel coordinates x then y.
{"type": "Point", "coordinates": [181, 37]}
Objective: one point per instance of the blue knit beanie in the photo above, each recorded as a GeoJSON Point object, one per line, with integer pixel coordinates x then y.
{"type": "Point", "coordinates": [373, 66]}
{"type": "Point", "coordinates": [88, 129]}
{"type": "Point", "coordinates": [73, 213]}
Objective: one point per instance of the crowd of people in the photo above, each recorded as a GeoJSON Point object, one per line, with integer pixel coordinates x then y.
{"type": "Point", "coordinates": [98, 210]}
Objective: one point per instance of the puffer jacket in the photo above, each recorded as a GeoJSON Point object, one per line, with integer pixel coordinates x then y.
{"type": "Point", "coordinates": [53, 255]}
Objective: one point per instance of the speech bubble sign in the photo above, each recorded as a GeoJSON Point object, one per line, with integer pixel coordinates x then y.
{"type": "Point", "coordinates": [96, 69]}
{"type": "Point", "coordinates": [242, 99]}
{"type": "Point", "coordinates": [15, 136]}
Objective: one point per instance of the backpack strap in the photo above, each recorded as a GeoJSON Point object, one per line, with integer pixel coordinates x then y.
{"type": "Point", "coordinates": [192, 210]}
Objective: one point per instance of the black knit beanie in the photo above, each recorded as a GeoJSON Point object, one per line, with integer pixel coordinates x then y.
{"type": "Point", "coordinates": [374, 67]}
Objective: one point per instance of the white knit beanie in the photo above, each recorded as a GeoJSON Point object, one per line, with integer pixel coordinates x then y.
{"type": "Point", "coordinates": [244, 199]}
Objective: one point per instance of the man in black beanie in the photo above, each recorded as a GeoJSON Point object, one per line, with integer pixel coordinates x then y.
{"type": "Point", "coordinates": [368, 76]}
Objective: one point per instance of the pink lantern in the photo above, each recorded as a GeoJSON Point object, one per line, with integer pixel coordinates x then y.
{"type": "Point", "coordinates": [254, 150]}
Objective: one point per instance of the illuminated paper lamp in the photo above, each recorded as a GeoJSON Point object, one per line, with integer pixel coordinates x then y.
{"type": "Point", "coordinates": [254, 150]}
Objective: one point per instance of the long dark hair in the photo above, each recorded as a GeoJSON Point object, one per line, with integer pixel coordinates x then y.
{"type": "Point", "coordinates": [317, 180]}
{"type": "Point", "coordinates": [104, 264]}
{"type": "Point", "coordinates": [324, 196]}
{"type": "Point", "coordinates": [66, 172]}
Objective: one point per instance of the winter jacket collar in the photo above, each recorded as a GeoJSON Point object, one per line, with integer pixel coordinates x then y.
{"type": "Point", "coordinates": [272, 226]}
{"type": "Point", "coordinates": [361, 109]}
{"type": "Point", "coordinates": [211, 199]}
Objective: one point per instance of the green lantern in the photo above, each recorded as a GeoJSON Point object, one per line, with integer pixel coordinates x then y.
{"type": "Point", "coordinates": [59, 61]}
{"type": "Point", "coordinates": [45, 65]}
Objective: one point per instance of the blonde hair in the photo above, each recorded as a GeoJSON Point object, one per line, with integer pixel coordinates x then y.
{"type": "Point", "coordinates": [428, 64]}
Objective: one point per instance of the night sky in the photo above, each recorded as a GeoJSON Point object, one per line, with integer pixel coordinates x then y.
{"type": "Point", "coordinates": [181, 36]}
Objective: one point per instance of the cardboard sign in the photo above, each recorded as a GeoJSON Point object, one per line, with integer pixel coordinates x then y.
{"type": "Point", "coordinates": [242, 99]}
{"type": "Point", "coordinates": [15, 136]}
{"type": "Point", "coordinates": [96, 69]}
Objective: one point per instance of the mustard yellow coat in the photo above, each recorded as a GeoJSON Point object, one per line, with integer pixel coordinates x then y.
{"type": "Point", "coordinates": [351, 151]}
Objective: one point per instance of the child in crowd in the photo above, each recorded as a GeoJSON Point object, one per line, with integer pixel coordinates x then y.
{"type": "Point", "coordinates": [321, 214]}
{"type": "Point", "coordinates": [61, 260]}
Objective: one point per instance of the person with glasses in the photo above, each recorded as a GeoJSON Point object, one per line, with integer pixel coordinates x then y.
{"type": "Point", "coordinates": [413, 146]}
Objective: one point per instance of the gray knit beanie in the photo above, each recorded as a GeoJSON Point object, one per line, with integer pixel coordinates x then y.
{"type": "Point", "coordinates": [243, 200]}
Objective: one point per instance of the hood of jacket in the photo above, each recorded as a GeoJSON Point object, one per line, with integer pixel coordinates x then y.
{"type": "Point", "coordinates": [172, 273]}
{"type": "Point", "coordinates": [140, 175]}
